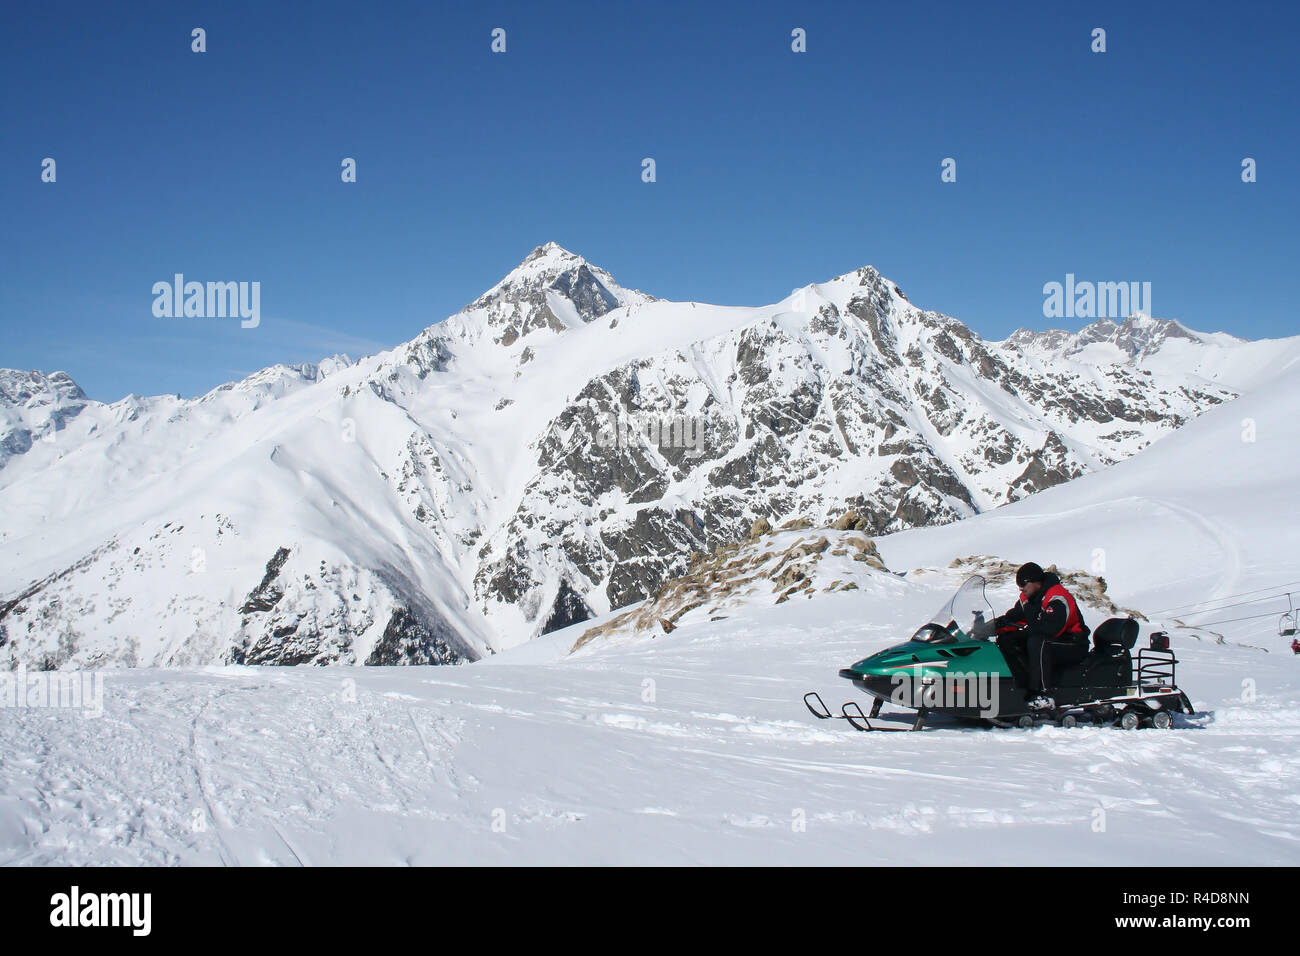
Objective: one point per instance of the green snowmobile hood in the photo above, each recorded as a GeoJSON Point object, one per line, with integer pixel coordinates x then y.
{"type": "Point", "coordinates": [935, 660]}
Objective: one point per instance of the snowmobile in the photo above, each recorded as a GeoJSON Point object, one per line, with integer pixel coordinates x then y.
{"type": "Point", "coordinates": [952, 666]}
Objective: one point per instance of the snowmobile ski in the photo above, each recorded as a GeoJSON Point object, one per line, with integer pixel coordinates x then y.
{"type": "Point", "coordinates": [852, 712]}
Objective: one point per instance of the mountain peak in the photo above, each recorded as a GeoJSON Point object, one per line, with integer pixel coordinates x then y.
{"type": "Point", "coordinates": [552, 248]}
{"type": "Point", "coordinates": [34, 405]}
{"type": "Point", "coordinates": [1138, 334]}
{"type": "Point", "coordinates": [551, 288]}
{"type": "Point", "coordinates": [869, 277]}
{"type": "Point", "coordinates": [18, 387]}
{"type": "Point", "coordinates": [537, 271]}
{"type": "Point", "coordinates": [547, 256]}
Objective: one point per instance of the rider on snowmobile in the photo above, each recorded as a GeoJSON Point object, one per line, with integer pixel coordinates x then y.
{"type": "Point", "coordinates": [1042, 633]}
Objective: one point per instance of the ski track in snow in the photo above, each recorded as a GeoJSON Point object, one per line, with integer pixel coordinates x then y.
{"type": "Point", "coordinates": [1232, 572]}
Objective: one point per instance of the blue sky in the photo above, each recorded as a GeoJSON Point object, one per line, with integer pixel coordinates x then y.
{"type": "Point", "coordinates": [774, 169]}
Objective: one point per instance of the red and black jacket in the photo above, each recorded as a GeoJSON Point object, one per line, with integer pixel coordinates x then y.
{"type": "Point", "coordinates": [1052, 613]}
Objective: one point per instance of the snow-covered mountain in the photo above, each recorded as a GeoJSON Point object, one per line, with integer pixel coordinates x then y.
{"type": "Point", "coordinates": [38, 407]}
{"type": "Point", "coordinates": [557, 449]}
{"type": "Point", "coordinates": [693, 747]}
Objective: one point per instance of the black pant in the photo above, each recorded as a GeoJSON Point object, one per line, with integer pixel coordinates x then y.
{"type": "Point", "coordinates": [1012, 646]}
{"type": "Point", "coordinates": [1035, 661]}
{"type": "Point", "coordinates": [1047, 658]}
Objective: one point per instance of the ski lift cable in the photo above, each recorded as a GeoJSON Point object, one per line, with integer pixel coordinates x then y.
{"type": "Point", "coordinates": [1256, 631]}
{"type": "Point", "coordinates": [1234, 620]}
{"type": "Point", "coordinates": [1187, 608]}
{"type": "Point", "coordinates": [1263, 626]}
{"type": "Point", "coordinates": [1225, 607]}
{"type": "Point", "coordinates": [1261, 629]}
{"type": "Point", "coordinates": [1226, 597]}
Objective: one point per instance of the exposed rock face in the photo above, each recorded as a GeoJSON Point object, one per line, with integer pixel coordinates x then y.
{"type": "Point", "coordinates": [1136, 335]}
{"type": "Point", "coordinates": [551, 289]}
{"type": "Point", "coordinates": [556, 450]}
{"type": "Point", "coordinates": [568, 608]}
{"type": "Point", "coordinates": [892, 429]}
{"type": "Point", "coordinates": [323, 614]}
{"type": "Point", "coordinates": [1050, 465]}
{"type": "Point", "coordinates": [266, 594]}
{"type": "Point", "coordinates": [408, 639]}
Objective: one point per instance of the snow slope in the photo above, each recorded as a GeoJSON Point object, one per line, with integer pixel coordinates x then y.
{"type": "Point", "coordinates": [695, 748]}
{"type": "Point", "coordinates": [1208, 512]}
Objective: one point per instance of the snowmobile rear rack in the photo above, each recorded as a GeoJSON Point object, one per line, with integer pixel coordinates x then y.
{"type": "Point", "coordinates": [852, 712]}
{"type": "Point", "coordinates": [1155, 670]}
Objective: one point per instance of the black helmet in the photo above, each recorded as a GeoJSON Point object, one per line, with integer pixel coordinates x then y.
{"type": "Point", "coordinates": [1028, 572]}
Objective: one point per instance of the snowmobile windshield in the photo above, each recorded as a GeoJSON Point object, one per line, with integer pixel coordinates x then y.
{"type": "Point", "coordinates": [967, 615]}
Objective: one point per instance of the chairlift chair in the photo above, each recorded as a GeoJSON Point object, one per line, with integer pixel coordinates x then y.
{"type": "Point", "coordinates": [1286, 625]}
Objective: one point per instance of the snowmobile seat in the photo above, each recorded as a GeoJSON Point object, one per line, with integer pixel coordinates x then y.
{"type": "Point", "coordinates": [1115, 634]}
{"type": "Point", "coordinates": [1109, 663]}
